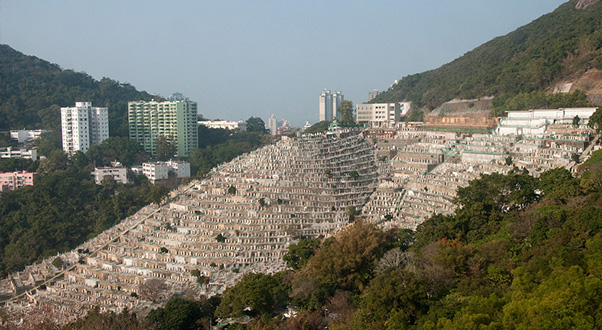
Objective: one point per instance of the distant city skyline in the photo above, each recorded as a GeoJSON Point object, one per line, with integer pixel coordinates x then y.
{"type": "Point", "coordinates": [239, 59]}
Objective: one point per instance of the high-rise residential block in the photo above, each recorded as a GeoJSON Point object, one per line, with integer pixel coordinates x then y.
{"type": "Point", "coordinates": [83, 126]}
{"type": "Point", "coordinates": [273, 124]}
{"type": "Point", "coordinates": [175, 120]}
{"type": "Point", "coordinates": [329, 104]}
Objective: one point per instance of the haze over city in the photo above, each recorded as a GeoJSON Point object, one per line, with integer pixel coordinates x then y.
{"type": "Point", "coordinates": [239, 59]}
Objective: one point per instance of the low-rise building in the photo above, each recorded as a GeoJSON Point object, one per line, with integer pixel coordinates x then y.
{"type": "Point", "coordinates": [181, 168]}
{"type": "Point", "coordinates": [377, 114]}
{"type": "Point", "coordinates": [9, 152]}
{"type": "Point", "coordinates": [537, 122]}
{"type": "Point", "coordinates": [156, 171]}
{"type": "Point", "coordinates": [119, 174]}
{"type": "Point", "coordinates": [15, 180]}
{"type": "Point", "coordinates": [27, 136]}
{"type": "Point", "coordinates": [240, 125]}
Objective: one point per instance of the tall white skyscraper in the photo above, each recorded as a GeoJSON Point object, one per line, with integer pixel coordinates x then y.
{"type": "Point", "coordinates": [329, 103]}
{"type": "Point", "coordinates": [273, 124]}
{"type": "Point", "coordinates": [337, 97]}
{"type": "Point", "coordinates": [83, 126]}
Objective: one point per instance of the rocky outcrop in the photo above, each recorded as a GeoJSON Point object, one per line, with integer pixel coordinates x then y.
{"type": "Point", "coordinates": [582, 4]}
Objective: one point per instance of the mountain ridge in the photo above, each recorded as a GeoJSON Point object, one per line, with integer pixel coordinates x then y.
{"type": "Point", "coordinates": [562, 44]}
{"type": "Point", "coordinates": [33, 90]}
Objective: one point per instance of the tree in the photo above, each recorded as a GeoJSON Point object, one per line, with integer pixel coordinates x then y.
{"type": "Point", "coordinates": [351, 212]}
{"type": "Point", "coordinates": [57, 160]}
{"type": "Point", "coordinates": [348, 259]}
{"type": "Point", "coordinates": [396, 290]}
{"type": "Point", "coordinates": [116, 148]}
{"type": "Point", "coordinates": [153, 289]}
{"type": "Point", "coordinates": [256, 124]}
{"type": "Point", "coordinates": [232, 190]}
{"type": "Point", "coordinates": [156, 194]}
{"type": "Point", "coordinates": [298, 254]}
{"type": "Point", "coordinates": [178, 313]}
{"type": "Point", "coordinates": [576, 121]}
{"type": "Point", "coordinates": [595, 120]}
{"type": "Point", "coordinates": [259, 293]}
{"type": "Point", "coordinates": [58, 263]}
{"type": "Point", "coordinates": [346, 111]}
{"type": "Point", "coordinates": [165, 149]}
{"type": "Point", "coordinates": [321, 126]}
{"type": "Point", "coordinates": [94, 319]}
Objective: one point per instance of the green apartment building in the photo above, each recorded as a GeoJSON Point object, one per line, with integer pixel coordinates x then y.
{"type": "Point", "coordinates": [175, 120]}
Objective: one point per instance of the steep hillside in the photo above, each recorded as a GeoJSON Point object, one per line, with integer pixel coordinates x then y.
{"type": "Point", "coordinates": [557, 47]}
{"type": "Point", "coordinates": [240, 219]}
{"type": "Point", "coordinates": [32, 90]}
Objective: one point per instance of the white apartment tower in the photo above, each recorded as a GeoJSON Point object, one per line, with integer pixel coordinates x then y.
{"type": "Point", "coordinates": [329, 104]}
{"type": "Point", "coordinates": [273, 124]}
{"type": "Point", "coordinates": [83, 126]}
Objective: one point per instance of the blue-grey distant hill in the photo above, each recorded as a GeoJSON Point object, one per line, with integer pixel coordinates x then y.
{"type": "Point", "coordinates": [32, 91]}
{"type": "Point", "coordinates": [564, 45]}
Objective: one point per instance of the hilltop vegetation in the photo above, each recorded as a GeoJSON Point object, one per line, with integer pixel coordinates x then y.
{"type": "Point", "coordinates": [33, 90]}
{"type": "Point", "coordinates": [558, 45]}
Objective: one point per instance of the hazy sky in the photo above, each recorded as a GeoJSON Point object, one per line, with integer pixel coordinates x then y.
{"type": "Point", "coordinates": [253, 58]}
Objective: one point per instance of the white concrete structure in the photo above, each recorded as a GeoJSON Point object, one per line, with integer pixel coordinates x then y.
{"type": "Point", "coordinates": [404, 107]}
{"type": "Point", "coordinates": [536, 122]}
{"type": "Point", "coordinates": [273, 124]}
{"type": "Point", "coordinates": [83, 126]}
{"type": "Point", "coordinates": [329, 104]}
{"type": "Point", "coordinates": [155, 171]}
{"type": "Point", "coordinates": [306, 126]}
{"type": "Point", "coordinates": [240, 125]}
{"type": "Point", "coordinates": [27, 136]}
{"type": "Point", "coordinates": [119, 174]}
{"type": "Point", "coordinates": [160, 170]}
{"type": "Point", "coordinates": [9, 152]}
{"type": "Point", "coordinates": [377, 114]}
{"type": "Point", "coordinates": [182, 169]}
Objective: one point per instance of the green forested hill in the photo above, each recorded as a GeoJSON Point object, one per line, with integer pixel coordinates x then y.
{"type": "Point", "coordinates": [32, 91]}
{"type": "Point", "coordinates": [563, 43]}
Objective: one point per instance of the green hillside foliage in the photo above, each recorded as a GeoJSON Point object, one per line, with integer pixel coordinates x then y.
{"type": "Point", "coordinates": [556, 45]}
{"type": "Point", "coordinates": [33, 90]}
